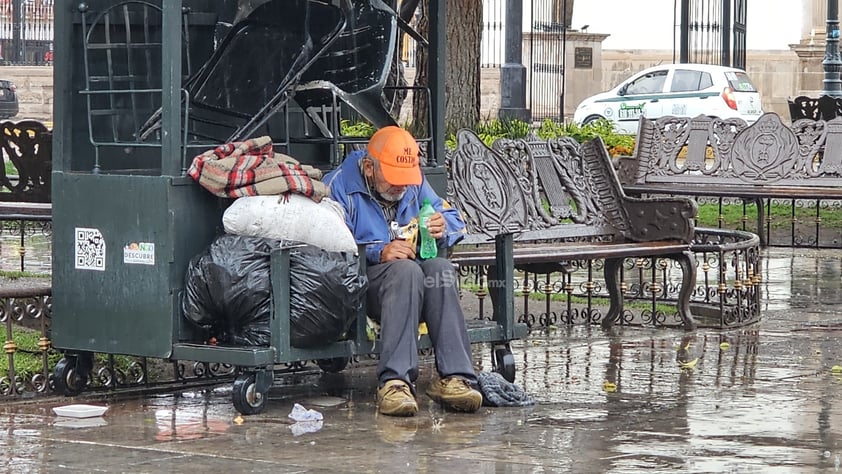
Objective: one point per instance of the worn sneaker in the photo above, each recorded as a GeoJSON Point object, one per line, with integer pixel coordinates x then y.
{"type": "Point", "coordinates": [395, 399]}
{"type": "Point", "coordinates": [455, 393]}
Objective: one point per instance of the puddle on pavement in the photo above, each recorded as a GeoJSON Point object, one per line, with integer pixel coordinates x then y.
{"type": "Point", "coordinates": [37, 257]}
{"type": "Point", "coordinates": [752, 399]}
{"type": "Point", "coordinates": [754, 402]}
{"type": "Point", "coordinates": [710, 401]}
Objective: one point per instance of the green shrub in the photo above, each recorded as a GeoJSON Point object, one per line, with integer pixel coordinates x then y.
{"type": "Point", "coordinates": [616, 143]}
{"type": "Point", "coordinates": [356, 129]}
{"type": "Point", "coordinates": [490, 130]}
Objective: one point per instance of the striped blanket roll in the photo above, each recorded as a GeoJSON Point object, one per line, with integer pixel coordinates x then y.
{"type": "Point", "coordinates": [252, 168]}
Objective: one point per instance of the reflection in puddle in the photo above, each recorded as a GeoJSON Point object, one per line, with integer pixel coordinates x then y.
{"type": "Point", "coordinates": [709, 401]}
{"type": "Point", "coordinates": [755, 399]}
{"type": "Point", "coordinates": [65, 422]}
{"type": "Point", "coordinates": [37, 257]}
{"type": "Point", "coordinates": [183, 424]}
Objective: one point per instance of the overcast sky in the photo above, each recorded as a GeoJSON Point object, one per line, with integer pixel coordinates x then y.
{"type": "Point", "coordinates": [647, 24]}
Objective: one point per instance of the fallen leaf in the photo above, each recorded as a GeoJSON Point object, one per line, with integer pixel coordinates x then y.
{"type": "Point", "coordinates": [725, 346]}
{"type": "Point", "coordinates": [689, 364]}
{"type": "Point", "coordinates": [609, 387]}
{"type": "Point", "coordinates": [836, 369]}
{"type": "Point", "coordinates": [238, 420]}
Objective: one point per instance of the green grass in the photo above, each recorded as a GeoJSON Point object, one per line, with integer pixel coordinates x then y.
{"type": "Point", "coordinates": [781, 215]}
{"type": "Point", "coordinates": [18, 274]}
{"type": "Point", "coordinates": [28, 356]}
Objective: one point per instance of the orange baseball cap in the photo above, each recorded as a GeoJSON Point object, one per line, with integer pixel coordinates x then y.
{"type": "Point", "coordinates": [397, 152]}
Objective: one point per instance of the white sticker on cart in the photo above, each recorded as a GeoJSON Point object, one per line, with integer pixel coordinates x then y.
{"type": "Point", "coordinates": [139, 253]}
{"type": "Point", "coordinates": [90, 249]}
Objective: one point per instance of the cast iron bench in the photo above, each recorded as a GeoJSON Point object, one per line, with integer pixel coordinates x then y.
{"type": "Point", "coordinates": [561, 203]}
{"type": "Point", "coordinates": [821, 108]}
{"type": "Point", "coordinates": [28, 146]}
{"type": "Point", "coordinates": [708, 156]}
{"type": "Point", "coordinates": [25, 193]}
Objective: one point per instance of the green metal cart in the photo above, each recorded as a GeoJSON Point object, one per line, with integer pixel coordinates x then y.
{"type": "Point", "coordinates": [140, 88]}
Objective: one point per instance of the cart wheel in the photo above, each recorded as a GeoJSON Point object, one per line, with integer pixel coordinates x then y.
{"type": "Point", "coordinates": [247, 399]}
{"type": "Point", "coordinates": [504, 362]}
{"type": "Point", "coordinates": [335, 365]}
{"type": "Point", "coordinates": [68, 380]}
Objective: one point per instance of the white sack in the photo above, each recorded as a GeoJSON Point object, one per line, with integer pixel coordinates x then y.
{"type": "Point", "coordinates": [291, 217]}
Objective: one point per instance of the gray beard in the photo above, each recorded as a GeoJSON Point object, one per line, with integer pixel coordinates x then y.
{"type": "Point", "coordinates": [391, 197]}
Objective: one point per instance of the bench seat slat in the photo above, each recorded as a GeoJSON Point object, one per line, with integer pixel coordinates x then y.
{"type": "Point", "coordinates": [26, 211]}
{"type": "Point", "coordinates": [564, 252]}
{"type": "Point", "coordinates": [741, 191]}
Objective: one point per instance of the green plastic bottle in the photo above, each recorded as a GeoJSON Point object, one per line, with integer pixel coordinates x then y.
{"type": "Point", "coordinates": [429, 249]}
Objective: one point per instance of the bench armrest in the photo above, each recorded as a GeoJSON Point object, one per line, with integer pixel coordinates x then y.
{"type": "Point", "coordinates": [660, 218]}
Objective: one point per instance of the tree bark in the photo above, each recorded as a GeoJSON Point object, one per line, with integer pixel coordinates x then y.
{"type": "Point", "coordinates": [462, 75]}
{"type": "Point", "coordinates": [462, 85]}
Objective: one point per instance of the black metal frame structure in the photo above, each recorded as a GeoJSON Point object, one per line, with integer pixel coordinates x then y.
{"type": "Point", "coordinates": [713, 32]}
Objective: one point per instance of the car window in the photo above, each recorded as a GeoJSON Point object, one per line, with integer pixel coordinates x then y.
{"type": "Point", "coordinates": [739, 81]}
{"type": "Point", "coordinates": [689, 81]}
{"type": "Point", "coordinates": [648, 84]}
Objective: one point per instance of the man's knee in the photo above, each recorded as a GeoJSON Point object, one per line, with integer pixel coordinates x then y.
{"type": "Point", "coordinates": [404, 272]}
{"type": "Point", "coordinates": [439, 271]}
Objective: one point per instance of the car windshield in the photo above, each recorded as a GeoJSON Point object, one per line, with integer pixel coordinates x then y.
{"type": "Point", "coordinates": [739, 81]}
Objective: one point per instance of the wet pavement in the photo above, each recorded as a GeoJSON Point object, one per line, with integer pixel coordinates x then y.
{"type": "Point", "coordinates": [763, 398]}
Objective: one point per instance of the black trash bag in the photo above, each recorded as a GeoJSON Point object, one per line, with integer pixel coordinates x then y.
{"type": "Point", "coordinates": [228, 292]}
{"type": "Point", "coordinates": [326, 294]}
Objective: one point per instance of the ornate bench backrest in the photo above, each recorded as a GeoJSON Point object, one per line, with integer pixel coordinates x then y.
{"type": "Point", "coordinates": [709, 150]}
{"type": "Point", "coordinates": [27, 145]}
{"type": "Point", "coordinates": [535, 189]}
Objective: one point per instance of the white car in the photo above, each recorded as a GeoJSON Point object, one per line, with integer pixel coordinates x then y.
{"type": "Point", "coordinates": [684, 90]}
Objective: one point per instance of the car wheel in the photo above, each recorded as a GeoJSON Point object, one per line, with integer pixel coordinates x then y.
{"type": "Point", "coordinates": [591, 118]}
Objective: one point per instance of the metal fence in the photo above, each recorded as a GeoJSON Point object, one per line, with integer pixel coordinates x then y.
{"type": "Point", "coordinates": [545, 50]}
{"type": "Point", "coordinates": [26, 38]}
{"type": "Point", "coordinates": [713, 32]}
{"type": "Point", "coordinates": [543, 55]}
{"type": "Point", "coordinates": [26, 32]}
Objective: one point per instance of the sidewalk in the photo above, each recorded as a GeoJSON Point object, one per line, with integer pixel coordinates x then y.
{"type": "Point", "coordinates": [757, 399]}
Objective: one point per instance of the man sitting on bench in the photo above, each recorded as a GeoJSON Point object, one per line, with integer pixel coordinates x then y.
{"type": "Point", "coordinates": [382, 190]}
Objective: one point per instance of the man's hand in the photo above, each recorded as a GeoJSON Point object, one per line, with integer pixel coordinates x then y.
{"type": "Point", "coordinates": [397, 250]}
{"type": "Point", "coordinates": [436, 225]}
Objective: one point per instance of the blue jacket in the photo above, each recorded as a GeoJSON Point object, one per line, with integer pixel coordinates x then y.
{"type": "Point", "coordinates": [364, 215]}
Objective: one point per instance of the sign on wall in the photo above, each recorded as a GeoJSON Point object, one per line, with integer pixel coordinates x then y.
{"type": "Point", "coordinates": [583, 58]}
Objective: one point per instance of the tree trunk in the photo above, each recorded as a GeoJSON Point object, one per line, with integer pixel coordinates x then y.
{"type": "Point", "coordinates": [462, 75]}
{"type": "Point", "coordinates": [420, 105]}
{"type": "Point", "coordinates": [464, 33]}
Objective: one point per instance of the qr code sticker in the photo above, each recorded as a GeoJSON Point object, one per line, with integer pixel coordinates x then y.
{"type": "Point", "coordinates": [90, 249]}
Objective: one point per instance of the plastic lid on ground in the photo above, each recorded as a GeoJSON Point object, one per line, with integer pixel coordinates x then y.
{"type": "Point", "coordinates": [80, 410]}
